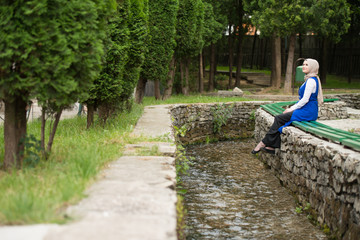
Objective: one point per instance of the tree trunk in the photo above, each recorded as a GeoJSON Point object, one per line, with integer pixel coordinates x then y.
{"type": "Point", "coordinates": [14, 132]}
{"type": "Point", "coordinates": [289, 65]}
{"type": "Point", "coordinates": [212, 67]}
{"type": "Point", "coordinates": [157, 89]}
{"type": "Point", "coordinates": [187, 76]}
{"type": "Point", "coordinates": [253, 50]}
{"type": "Point", "coordinates": [43, 125]}
{"type": "Point", "coordinates": [332, 63]}
{"type": "Point", "coordinates": [170, 79]}
{"type": "Point", "coordinates": [140, 90]}
{"type": "Point", "coordinates": [276, 67]}
{"type": "Point", "coordinates": [283, 55]}
{"type": "Point", "coordinates": [239, 62]}
{"type": "Point", "coordinates": [240, 42]}
{"type": "Point", "coordinates": [103, 113]}
{"type": "Point", "coordinates": [300, 45]}
{"type": "Point", "coordinates": [273, 60]}
{"type": "Point", "coordinates": [231, 55]}
{"type": "Point", "coordinates": [264, 56]}
{"type": "Point", "coordinates": [182, 75]}
{"type": "Point", "coordinates": [53, 131]}
{"type": "Point", "coordinates": [90, 115]}
{"type": "Point", "coordinates": [324, 61]}
{"type": "Point", "coordinates": [350, 57]}
{"type": "Point", "coordinates": [201, 73]}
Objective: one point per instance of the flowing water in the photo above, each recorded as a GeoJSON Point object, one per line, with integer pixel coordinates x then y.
{"type": "Point", "coordinates": [232, 195]}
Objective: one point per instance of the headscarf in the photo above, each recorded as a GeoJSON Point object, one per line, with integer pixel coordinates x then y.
{"type": "Point", "coordinates": [313, 72]}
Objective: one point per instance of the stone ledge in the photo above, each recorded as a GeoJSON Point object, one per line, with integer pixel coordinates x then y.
{"type": "Point", "coordinates": [323, 173]}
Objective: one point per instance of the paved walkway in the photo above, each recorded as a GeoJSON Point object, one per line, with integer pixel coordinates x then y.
{"type": "Point", "coordinates": [134, 199]}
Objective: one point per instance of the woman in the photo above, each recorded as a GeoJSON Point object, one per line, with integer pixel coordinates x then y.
{"type": "Point", "coordinates": [306, 109]}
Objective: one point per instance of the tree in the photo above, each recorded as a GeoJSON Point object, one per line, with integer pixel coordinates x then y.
{"type": "Point", "coordinates": [189, 37]}
{"type": "Point", "coordinates": [214, 27]}
{"type": "Point", "coordinates": [278, 19]}
{"type": "Point", "coordinates": [160, 45]}
{"type": "Point", "coordinates": [330, 20]}
{"type": "Point", "coordinates": [287, 18]}
{"type": "Point", "coordinates": [113, 89]}
{"type": "Point", "coordinates": [45, 53]}
{"type": "Point", "coordinates": [353, 35]}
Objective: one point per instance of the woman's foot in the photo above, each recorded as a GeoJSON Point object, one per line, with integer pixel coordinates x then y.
{"type": "Point", "coordinates": [268, 150]}
{"type": "Point", "coordinates": [258, 148]}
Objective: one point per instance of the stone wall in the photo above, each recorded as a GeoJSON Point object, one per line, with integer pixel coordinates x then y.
{"type": "Point", "coordinates": [199, 119]}
{"type": "Point", "coordinates": [324, 174]}
{"type": "Point", "coordinates": [333, 110]}
{"type": "Point", "coordinates": [352, 100]}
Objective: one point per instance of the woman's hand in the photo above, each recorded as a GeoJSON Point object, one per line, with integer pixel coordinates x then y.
{"type": "Point", "coordinates": [287, 110]}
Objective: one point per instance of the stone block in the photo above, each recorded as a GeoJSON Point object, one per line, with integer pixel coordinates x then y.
{"type": "Point", "coordinates": [337, 186]}
{"type": "Point", "coordinates": [313, 174]}
{"type": "Point", "coordinates": [322, 179]}
{"type": "Point", "coordinates": [357, 204]}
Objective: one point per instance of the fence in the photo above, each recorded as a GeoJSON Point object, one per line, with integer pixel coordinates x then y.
{"type": "Point", "coordinates": [340, 56]}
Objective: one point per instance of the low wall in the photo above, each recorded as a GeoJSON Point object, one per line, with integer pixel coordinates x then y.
{"type": "Point", "coordinates": [325, 174]}
{"type": "Point", "coordinates": [352, 100]}
{"type": "Point", "coordinates": [198, 119]}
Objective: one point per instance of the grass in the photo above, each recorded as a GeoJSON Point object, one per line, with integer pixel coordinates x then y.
{"type": "Point", "coordinates": [193, 98]}
{"type": "Point", "coordinates": [226, 68]}
{"type": "Point", "coordinates": [39, 194]}
{"type": "Point", "coordinates": [334, 83]}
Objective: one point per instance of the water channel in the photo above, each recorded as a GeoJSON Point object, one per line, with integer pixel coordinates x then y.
{"type": "Point", "coordinates": [232, 195]}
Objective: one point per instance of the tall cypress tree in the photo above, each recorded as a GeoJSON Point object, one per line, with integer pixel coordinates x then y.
{"type": "Point", "coordinates": [160, 45]}
{"type": "Point", "coordinates": [113, 89]}
{"type": "Point", "coordinates": [50, 50]}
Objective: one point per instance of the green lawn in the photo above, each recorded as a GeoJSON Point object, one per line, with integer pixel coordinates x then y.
{"type": "Point", "coordinates": [193, 98]}
{"type": "Point", "coordinates": [40, 194]}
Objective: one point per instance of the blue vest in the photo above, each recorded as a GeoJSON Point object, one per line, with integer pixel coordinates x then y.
{"type": "Point", "coordinates": [308, 112]}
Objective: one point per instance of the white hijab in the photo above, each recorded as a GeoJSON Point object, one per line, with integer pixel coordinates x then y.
{"type": "Point", "coordinates": [313, 72]}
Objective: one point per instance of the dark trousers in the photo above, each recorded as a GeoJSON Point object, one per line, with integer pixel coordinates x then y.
{"type": "Point", "coordinates": [272, 137]}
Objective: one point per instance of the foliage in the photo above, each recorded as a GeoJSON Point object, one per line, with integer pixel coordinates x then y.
{"type": "Point", "coordinates": [326, 18]}
{"type": "Point", "coordinates": [127, 31]}
{"type": "Point", "coordinates": [32, 151]}
{"type": "Point", "coordinates": [107, 87]}
{"type": "Point", "coordinates": [71, 63]}
{"type": "Point", "coordinates": [181, 130]}
{"type": "Point", "coordinates": [181, 216]}
{"type": "Point", "coordinates": [189, 28]}
{"type": "Point", "coordinates": [161, 39]}
{"type": "Point", "coordinates": [138, 30]}
{"type": "Point", "coordinates": [221, 77]}
{"type": "Point", "coordinates": [214, 22]}
{"type": "Point", "coordinates": [48, 50]}
{"type": "Point", "coordinates": [330, 18]}
{"type": "Point", "coordinates": [221, 114]}
{"type": "Point", "coordinates": [182, 162]}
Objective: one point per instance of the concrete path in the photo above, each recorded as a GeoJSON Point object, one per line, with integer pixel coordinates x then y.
{"type": "Point", "coordinates": [133, 199]}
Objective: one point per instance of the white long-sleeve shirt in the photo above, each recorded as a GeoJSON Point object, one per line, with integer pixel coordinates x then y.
{"type": "Point", "coordinates": [309, 89]}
